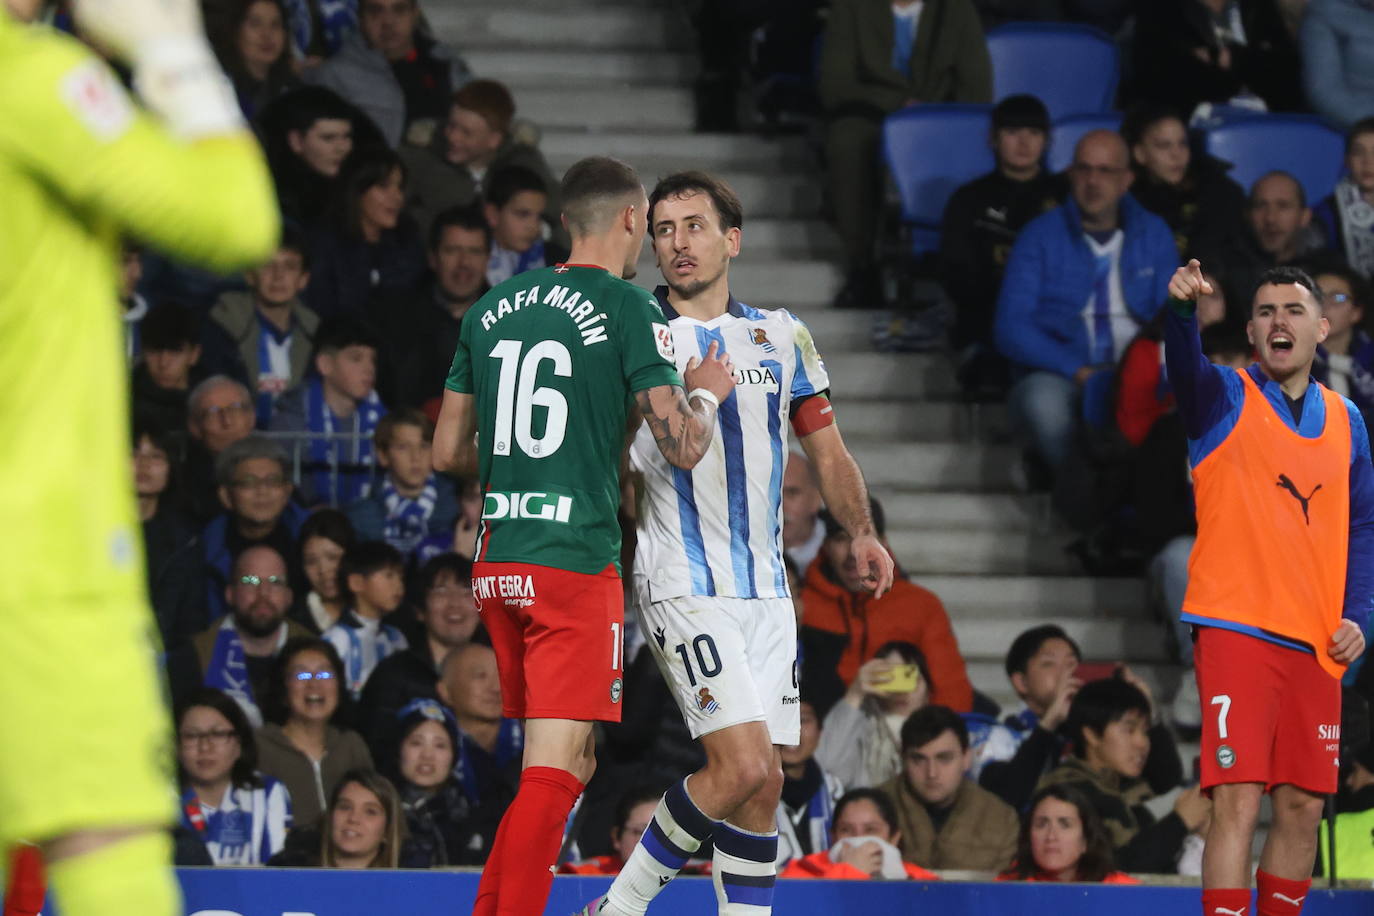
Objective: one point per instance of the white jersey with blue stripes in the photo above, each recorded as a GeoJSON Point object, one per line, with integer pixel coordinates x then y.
{"type": "Point", "coordinates": [717, 530]}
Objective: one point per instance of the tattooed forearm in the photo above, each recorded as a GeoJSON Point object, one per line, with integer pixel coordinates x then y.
{"type": "Point", "coordinates": [682, 430]}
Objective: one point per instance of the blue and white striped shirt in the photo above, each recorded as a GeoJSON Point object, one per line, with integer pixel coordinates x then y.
{"type": "Point", "coordinates": [717, 529]}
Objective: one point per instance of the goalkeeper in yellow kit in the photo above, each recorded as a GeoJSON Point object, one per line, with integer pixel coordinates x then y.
{"type": "Point", "coordinates": [86, 765]}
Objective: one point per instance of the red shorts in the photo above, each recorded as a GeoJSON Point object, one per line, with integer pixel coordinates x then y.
{"type": "Point", "coordinates": [558, 637]}
{"type": "Point", "coordinates": [1270, 714]}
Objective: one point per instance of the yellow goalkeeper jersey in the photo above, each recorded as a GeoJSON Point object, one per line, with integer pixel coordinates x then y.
{"type": "Point", "coordinates": [80, 168]}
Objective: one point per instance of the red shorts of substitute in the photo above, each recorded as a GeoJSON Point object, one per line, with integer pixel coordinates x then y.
{"type": "Point", "coordinates": [1270, 714]}
{"type": "Point", "coordinates": [558, 637]}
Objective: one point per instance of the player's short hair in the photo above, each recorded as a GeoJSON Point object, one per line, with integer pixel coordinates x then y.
{"type": "Point", "coordinates": [469, 218]}
{"type": "Point", "coordinates": [1100, 703]}
{"type": "Point", "coordinates": [880, 800]}
{"type": "Point", "coordinates": [246, 449]}
{"type": "Point", "coordinates": [1025, 645]}
{"type": "Point", "coordinates": [450, 564]}
{"type": "Point", "coordinates": [875, 508]}
{"type": "Point", "coordinates": [365, 558]}
{"type": "Point", "coordinates": [330, 524]}
{"type": "Point", "coordinates": [910, 654]}
{"type": "Point", "coordinates": [1286, 276]}
{"type": "Point", "coordinates": [1357, 130]}
{"type": "Point", "coordinates": [385, 432]}
{"type": "Point", "coordinates": [1279, 173]}
{"type": "Point", "coordinates": [930, 722]}
{"type": "Point", "coordinates": [336, 334]}
{"type": "Point", "coordinates": [594, 190]}
{"type": "Point", "coordinates": [169, 326]}
{"type": "Point", "coordinates": [490, 99]}
{"type": "Point", "coordinates": [243, 774]}
{"type": "Point", "coordinates": [686, 184]}
{"type": "Point", "coordinates": [507, 182]}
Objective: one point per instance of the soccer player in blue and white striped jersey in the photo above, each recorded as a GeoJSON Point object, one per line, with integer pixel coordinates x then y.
{"type": "Point", "coordinates": [710, 584]}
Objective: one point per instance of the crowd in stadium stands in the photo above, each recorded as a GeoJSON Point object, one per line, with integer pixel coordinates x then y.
{"type": "Point", "coordinates": [337, 702]}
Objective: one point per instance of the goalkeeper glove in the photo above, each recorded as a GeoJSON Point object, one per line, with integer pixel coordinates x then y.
{"type": "Point", "coordinates": [175, 72]}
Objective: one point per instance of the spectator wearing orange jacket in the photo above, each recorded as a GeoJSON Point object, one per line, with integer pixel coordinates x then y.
{"type": "Point", "coordinates": [866, 838]}
{"type": "Point", "coordinates": [843, 624]}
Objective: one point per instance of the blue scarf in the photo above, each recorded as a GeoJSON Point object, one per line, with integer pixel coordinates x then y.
{"type": "Point", "coordinates": [510, 744]}
{"type": "Point", "coordinates": [269, 386]}
{"type": "Point", "coordinates": [505, 263]}
{"type": "Point", "coordinates": [407, 520]}
{"type": "Point", "coordinates": [228, 671]}
{"type": "Point", "coordinates": [341, 471]}
{"type": "Point", "coordinates": [389, 641]}
{"type": "Point", "coordinates": [338, 20]}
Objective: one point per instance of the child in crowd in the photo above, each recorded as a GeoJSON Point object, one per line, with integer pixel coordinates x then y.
{"type": "Point", "coordinates": [339, 399]}
{"type": "Point", "coordinates": [372, 575]}
{"type": "Point", "coordinates": [270, 328]}
{"type": "Point", "coordinates": [1345, 218]}
{"type": "Point", "coordinates": [410, 502]}
{"type": "Point", "coordinates": [170, 337]}
{"type": "Point", "coordinates": [515, 202]}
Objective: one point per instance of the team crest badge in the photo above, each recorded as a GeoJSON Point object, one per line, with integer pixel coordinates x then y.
{"type": "Point", "coordinates": [663, 340]}
{"type": "Point", "coordinates": [705, 702]}
{"type": "Point", "coordinates": [1226, 757]}
{"type": "Point", "coordinates": [759, 337]}
{"type": "Point", "coordinates": [617, 688]}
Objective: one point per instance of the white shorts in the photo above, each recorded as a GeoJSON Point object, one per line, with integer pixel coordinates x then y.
{"type": "Point", "coordinates": [727, 661]}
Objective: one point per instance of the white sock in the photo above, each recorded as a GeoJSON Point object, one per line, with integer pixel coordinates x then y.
{"type": "Point", "coordinates": [677, 830]}
{"type": "Point", "coordinates": [744, 870]}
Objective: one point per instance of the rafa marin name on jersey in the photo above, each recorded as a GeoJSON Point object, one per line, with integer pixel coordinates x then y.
{"type": "Point", "coordinates": [582, 311]}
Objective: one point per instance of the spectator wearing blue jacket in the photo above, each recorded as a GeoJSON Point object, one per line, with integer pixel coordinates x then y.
{"type": "Point", "coordinates": [1081, 281]}
{"type": "Point", "coordinates": [1337, 39]}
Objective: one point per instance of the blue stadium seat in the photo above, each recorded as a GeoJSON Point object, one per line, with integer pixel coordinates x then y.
{"type": "Point", "coordinates": [1066, 132]}
{"type": "Point", "coordinates": [930, 150]}
{"type": "Point", "coordinates": [1073, 69]}
{"type": "Point", "coordinates": [1303, 145]}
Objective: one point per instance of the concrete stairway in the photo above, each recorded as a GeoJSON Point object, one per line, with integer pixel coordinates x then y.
{"type": "Point", "coordinates": [614, 76]}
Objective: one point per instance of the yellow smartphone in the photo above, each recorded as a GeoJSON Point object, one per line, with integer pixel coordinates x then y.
{"type": "Point", "coordinates": [900, 679]}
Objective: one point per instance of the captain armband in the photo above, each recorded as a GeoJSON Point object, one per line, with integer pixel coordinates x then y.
{"type": "Point", "coordinates": [814, 413]}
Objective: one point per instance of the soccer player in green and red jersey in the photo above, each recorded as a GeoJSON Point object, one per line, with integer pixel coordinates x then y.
{"type": "Point", "coordinates": [550, 370]}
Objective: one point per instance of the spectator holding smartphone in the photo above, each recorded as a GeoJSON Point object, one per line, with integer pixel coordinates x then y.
{"type": "Point", "coordinates": [861, 738]}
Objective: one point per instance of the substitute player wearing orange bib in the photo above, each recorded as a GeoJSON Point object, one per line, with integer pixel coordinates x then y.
{"type": "Point", "coordinates": [1280, 582]}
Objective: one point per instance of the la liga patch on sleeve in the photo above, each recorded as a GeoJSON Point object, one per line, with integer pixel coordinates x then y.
{"type": "Point", "coordinates": [663, 340]}
{"type": "Point", "coordinates": [96, 98]}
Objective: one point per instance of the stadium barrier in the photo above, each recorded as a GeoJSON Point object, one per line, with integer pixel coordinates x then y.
{"type": "Point", "coordinates": [292, 892]}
